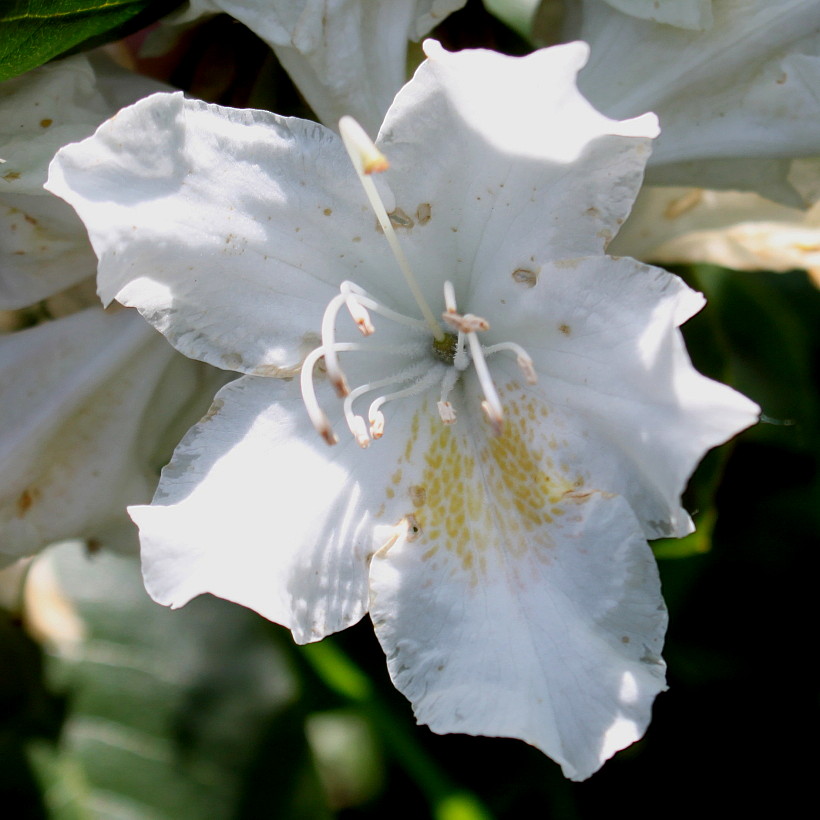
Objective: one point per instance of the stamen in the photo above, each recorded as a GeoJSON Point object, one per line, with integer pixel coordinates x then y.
{"type": "Point", "coordinates": [364, 299]}
{"type": "Point", "coordinates": [317, 416]}
{"type": "Point", "coordinates": [359, 430]}
{"type": "Point", "coordinates": [445, 410]}
{"type": "Point", "coordinates": [449, 296]}
{"type": "Point", "coordinates": [367, 159]}
{"type": "Point", "coordinates": [522, 357]}
{"type": "Point", "coordinates": [360, 315]}
{"type": "Point", "coordinates": [492, 404]}
{"type": "Point", "coordinates": [374, 413]}
{"type": "Point", "coordinates": [468, 323]}
{"type": "Point", "coordinates": [334, 371]}
{"type": "Point", "coordinates": [357, 423]}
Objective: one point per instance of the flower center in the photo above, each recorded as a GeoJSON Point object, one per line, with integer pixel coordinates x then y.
{"type": "Point", "coordinates": [444, 349]}
{"type": "Point", "coordinates": [452, 351]}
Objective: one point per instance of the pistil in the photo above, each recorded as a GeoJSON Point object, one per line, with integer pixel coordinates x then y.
{"type": "Point", "coordinates": [367, 159]}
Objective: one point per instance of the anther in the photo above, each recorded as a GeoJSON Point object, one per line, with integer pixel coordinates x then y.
{"type": "Point", "coordinates": [445, 410]}
{"type": "Point", "coordinates": [521, 356]}
{"type": "Point", "coordinates": [491, 404]}
{"type": "Point", "coordinates": [494, 416]}
{"type": "Point", "coordinates": [468, 323]}
{"type": "Point", "coordinates": [361, 317]}
{"type": "Point", "coordinates": [359, 430]}
{"type": "Point", "coordinates": [376, 418]}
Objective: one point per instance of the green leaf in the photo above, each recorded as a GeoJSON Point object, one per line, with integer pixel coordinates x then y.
{"type": "Point", "coordinates": [517, 14]}
{"type": "Point", "coordinates": [32, 32]}
{"type": "Point", "coordinates": [168, 709]}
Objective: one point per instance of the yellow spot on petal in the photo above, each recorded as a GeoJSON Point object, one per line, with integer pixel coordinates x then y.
{"type": "Point", "coordinates": [484, 498]}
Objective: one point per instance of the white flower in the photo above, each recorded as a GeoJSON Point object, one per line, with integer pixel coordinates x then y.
{"type": "Point", "coordinates": [736, 102]}
{"type": "Point", "coordinates": [502, 557]}
{"type": "Point", "coordinates": [736, 230]}
{"type": "Point", "coordinates": [345, 56]}
{"type": "Point", "coordinates": [43, 246]}
{"type": "Point", "coordinates": [693, 14]}
{"type": "Point", "coordinates": [92, 403]}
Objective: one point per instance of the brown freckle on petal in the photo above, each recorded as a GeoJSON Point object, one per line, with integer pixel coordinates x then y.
{"type": "Point", "coordinates": [44, 123]}
{"type": "Point", "coordinates": [327, 211]}
{"type": "Point", "coordinates": [399, 219]}
{"type": "Point", "coordinates": [357, 239]}
{"type": "Point", "coordinates": [593, 211]}
{"type": "Point", "coordinates": [423, 213]}
{"type": "Point", "coordinates": [525, 277]}
{"type": "Point", "coordinates": [454, 229]}
{"type": "Point", "coordinates": [625, 639]}
{"type": "Point", "coordinates": [26, 501]}
{"type": "Point", "coordinates": [93, 546]}
{"type": "Point", "coordinates": [11, 175]}
{"type": "Point", "coordinates": [565, 329]}
{"type": "Point", "coordinates": [30, 219]}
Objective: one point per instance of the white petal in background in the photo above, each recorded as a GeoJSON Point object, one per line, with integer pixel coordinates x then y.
{"type": "Point", "coordinates": [736, 230]}
{"type": "Point", "coordinates": [695, 14]}
{"type": "Point", "coordinates": [92, 405]}
{"type": "Point", "coordinates": [345, 56]}
{"type": "Point", "coordinates": [43, 246]}
{"type": "Point", "coordinates": [736, 102]}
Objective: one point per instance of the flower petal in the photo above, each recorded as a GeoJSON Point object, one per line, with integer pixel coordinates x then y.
{"type": "Point", "coordinates": [736, 230]}
{"type": "Point", "coordinates": [554, 638]}
{"type": "Point", "coordinates": [208, 219]}
{"type": "Point", "coordinates": [256, 508]}
{"type": "Point", "coordinates": [345, 56]}
{"type": "Point", "coordinates": [695, 14]}
{"type": "Point", "coordinates": [478, 164]}
{"type": "Point", "coordinates": [43, 246]}
{"type": "Point", "coordinates": [44, 249]}
{"type": "Point", "coordinates": [611, 363]}
{"type": "Point", "coordinates": [88, 401]}
{"type": "Point", "coordinates": [730, 97]}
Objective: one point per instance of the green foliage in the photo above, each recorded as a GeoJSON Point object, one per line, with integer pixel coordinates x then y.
{"type": "Point", "coordinates": [32, 32]}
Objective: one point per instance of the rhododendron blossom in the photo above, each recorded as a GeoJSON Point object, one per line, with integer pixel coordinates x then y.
{"type": "Point", "coordinates": [510, 412]}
